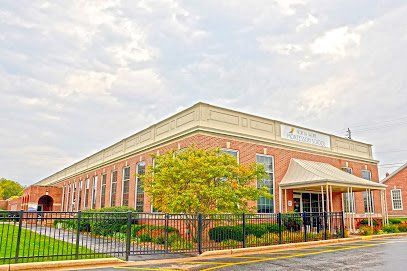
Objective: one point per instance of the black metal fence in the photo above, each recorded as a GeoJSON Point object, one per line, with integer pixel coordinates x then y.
{"type": "Point", "coordinates": [42, 236]}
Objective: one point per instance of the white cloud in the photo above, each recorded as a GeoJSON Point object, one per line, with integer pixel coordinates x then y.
{"type": "Point", "coordinates": [288, 7]}
{"type": "Point", "coordinates": [308, 21]}
{"type": "Point", "coordinates": [340, 42]}
{"type": "Point", "coordinates": [268, 44]}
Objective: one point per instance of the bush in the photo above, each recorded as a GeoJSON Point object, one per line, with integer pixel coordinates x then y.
{"type": "Point", "coordinates": [252, 241]}
{"type": "Point", "coordinates": [230, 244]}
{"type": "Point", "coordinates": [402, 227]}
{"type": "Point", "coordinates": [365, 230]}
{"type": "Point", "coordinates": [269, 239]}
{"type": "Point", "coordinates": [107, 224]}
{"type": "Point", "coordinates": [145, 237]}
{"type": "Point", "coordinates": [292, 222]}
{"type": "Point", "coordinates": [177, 243]}
{"type": "Point", "coordinates": [398, 220]}
{"type": "Point", "coordinates": [365, 222]}
{"type": "Point", "coordinates": [220, 233]}
{"type": "Point", "coordinates": [391, 229]}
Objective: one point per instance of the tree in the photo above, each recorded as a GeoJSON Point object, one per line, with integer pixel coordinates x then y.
{"type": "Point", "coordinates": [9, 188]}
{"type": "Point", "coordinates": [194, 181]}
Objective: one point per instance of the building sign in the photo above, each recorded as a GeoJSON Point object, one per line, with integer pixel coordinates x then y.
{"type": "Point", "coordinates": [305, 136]}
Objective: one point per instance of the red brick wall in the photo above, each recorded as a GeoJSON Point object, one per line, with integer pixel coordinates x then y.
{"type": "Point", "coordinates": [247, 154]}
{"type": "Point", "coordinates": [3, 204]}
{"type": "Point", "coordinates": [398, 181]}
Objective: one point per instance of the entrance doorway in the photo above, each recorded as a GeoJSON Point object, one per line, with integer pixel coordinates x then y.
{"type": "Point", "coordinates": [308, 202]}
{"type": "Point", "coordinates": [45, 203]}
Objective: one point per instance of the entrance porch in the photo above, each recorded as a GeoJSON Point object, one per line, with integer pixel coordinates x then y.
{"type": "Point", "coordinates": [315, 187]}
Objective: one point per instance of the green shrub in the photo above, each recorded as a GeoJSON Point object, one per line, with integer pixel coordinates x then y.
{"type": "Point", "coordinates": [145, 237]}
{"type": "Point", "coordinates": [252, 241]}
{"type": "Point", "coordinates": [108, 224]}
{"type": "Point", "coordinates": [177, 243]}
{"type": "Point", "coordinates": [402, 227]}
{"type": "Point", "coordinates": [292, 221]}
{"type": "Point", "coordinates": [365, 222]}
{"type": "Point", "coordinates": [365, 230]}
{"type": "Point", "coordinates": [230, 244]}
{"type": "Point", "coordinates": [397, 220]}
{"type": "Point", "coordinates": [221, 233]}
{"type": "Point", "coordinates": [391, 229]}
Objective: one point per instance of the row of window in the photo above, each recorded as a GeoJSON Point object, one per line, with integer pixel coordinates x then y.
{"type": "Point", "coordinates": [72, 193]}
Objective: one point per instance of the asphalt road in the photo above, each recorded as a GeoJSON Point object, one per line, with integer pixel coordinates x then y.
{"type": "Point", "coordinates": [377, 254]}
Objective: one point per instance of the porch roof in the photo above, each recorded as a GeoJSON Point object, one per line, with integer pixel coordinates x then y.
{"type": "Point", "coordinates": [311, 174]}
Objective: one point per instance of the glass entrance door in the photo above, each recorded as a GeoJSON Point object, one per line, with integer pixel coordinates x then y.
{"type": "Point", "coordinates": [307, 202]}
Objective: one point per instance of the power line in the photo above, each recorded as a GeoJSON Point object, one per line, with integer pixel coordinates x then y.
{"type": "Point", "coordinates": [366, 125]}
{"type": "Point", "coordinates": [390, 151]}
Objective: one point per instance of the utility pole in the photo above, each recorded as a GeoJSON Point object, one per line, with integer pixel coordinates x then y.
{"type": "Point", "coordinates": [349, 134]}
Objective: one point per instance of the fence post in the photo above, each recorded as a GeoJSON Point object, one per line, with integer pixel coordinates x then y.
{"type": "Point", "coordinates": [128, 235]}
{"type": "Point", "coordinates": [200, 233]}
{"type": "Point", "coordinates": [166, 233]}
{"type": "Point", "coordinates": [343, 224]}
{"type": "Point", "coordinates": [280, 228]}
{"type": "Point", "coordinates": [78, 230]}
{"type": "Point", "coordinates": [244, 229]}
{"type": "Point", "coordinates": [20, 225]}
{"type": "Point", "coordinates": [304, 217]}
{"type": "Point", "coordinates": [325, 224]}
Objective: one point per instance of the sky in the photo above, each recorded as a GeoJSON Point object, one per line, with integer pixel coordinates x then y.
{"type": "Point", "coordinates": [78, 76]}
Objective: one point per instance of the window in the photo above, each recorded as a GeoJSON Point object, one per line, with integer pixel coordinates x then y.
{"type": "Point", "coordinates": [73, 197]}
{"type": "Point", "coordinates": [234, 153]}
{"type": "Point", "coordinates": [87, 187]}
{"type": "Point", "coordinates": [113, 188]}
{"type": "Point", "coordinates": [125, 189]}
{"type": "Point", "coordinates": [68, 198]}
{"type": "Point", "coordinates": [365, 202]}
{"type": "Point", "coordinates": [103, 191]}
{"type": "Point", "coordinates": [396, 200]}
{"type": "Point", "coordinates": [63, 198]}
{"type": "Point", "coordinates": [79, 195]}
{"type": "Point", "coordinates": [265, 205]}
{"type": "Point", "coordinates": [348, 170]}
{"type": "Point", "coordinates": [94, 189]}
{"type": "Point", "coordinates": [349, 202]}
{"type": "Point", "coordinates": [140, 169]}
{"type": "Point", "coordinates": [367, 175]}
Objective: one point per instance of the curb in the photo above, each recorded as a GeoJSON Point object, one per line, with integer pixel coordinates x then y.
{"type": "Point", "coordinates": [293, 245]}
{"type": "Point", "coordinates": [61, 265]}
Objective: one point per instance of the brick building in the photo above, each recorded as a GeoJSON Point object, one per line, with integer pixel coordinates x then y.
{"type": "Point", "coordinates": [308, 171]}
{"type": "Point", "coordinates": [397, 191]}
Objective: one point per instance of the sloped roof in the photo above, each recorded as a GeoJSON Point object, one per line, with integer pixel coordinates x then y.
{"type": "Point", "coordinates": [394, 173]}
{"type": "Point", "coordinates": [304, 172]}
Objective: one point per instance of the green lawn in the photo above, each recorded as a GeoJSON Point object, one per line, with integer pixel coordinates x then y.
{"type": "Point", "coordinates": [36, 246]}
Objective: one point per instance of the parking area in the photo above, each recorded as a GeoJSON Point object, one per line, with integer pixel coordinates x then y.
{"type": "Point", "coordinates": [374, 254]}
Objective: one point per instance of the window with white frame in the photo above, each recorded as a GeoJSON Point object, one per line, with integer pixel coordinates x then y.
{"type": "Point", "coordinates": [348, 170]}
{"type": "Point", "coordinates": [233, 153]}
{"type": "Point", "coordinates": [396, 200]}
{"type": "Point", "coordinates": [126, 186]}
{"type": "Point", "coordinates": [103, 191]}
{"type": "Point", "coordinates": [87, 188]}
{"type": "Point", "coordinates": [113, 188]}
{"type": "Point", "coordinates": [140, 170]}
{"type": "Point", "coordinates": [349, 198]}
{"type": "Point", "coordinates": [265, 205]}
{"type": "Point", "coordinates": [349, 202]}
{"type": "Point", "coordinates": [94, 189]}
{"type": "Point", "coordinates": [367, 175]}
{"type": "Point", "coordinates": [80, 195]}
{"type": "Point", "coordinates": [73, 197]}
{"type": "Point", "coordinates": [63, 198]}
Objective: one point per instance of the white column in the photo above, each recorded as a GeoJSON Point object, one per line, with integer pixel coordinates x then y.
{"type": "Point", "coordinates": [280, 198]}
{"type": "Point", "coordinates": [331, 201]}
{"type": "Point", "coordinates": [322, 193]}
{"type": "Point", "coordinates": [353, 208]}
